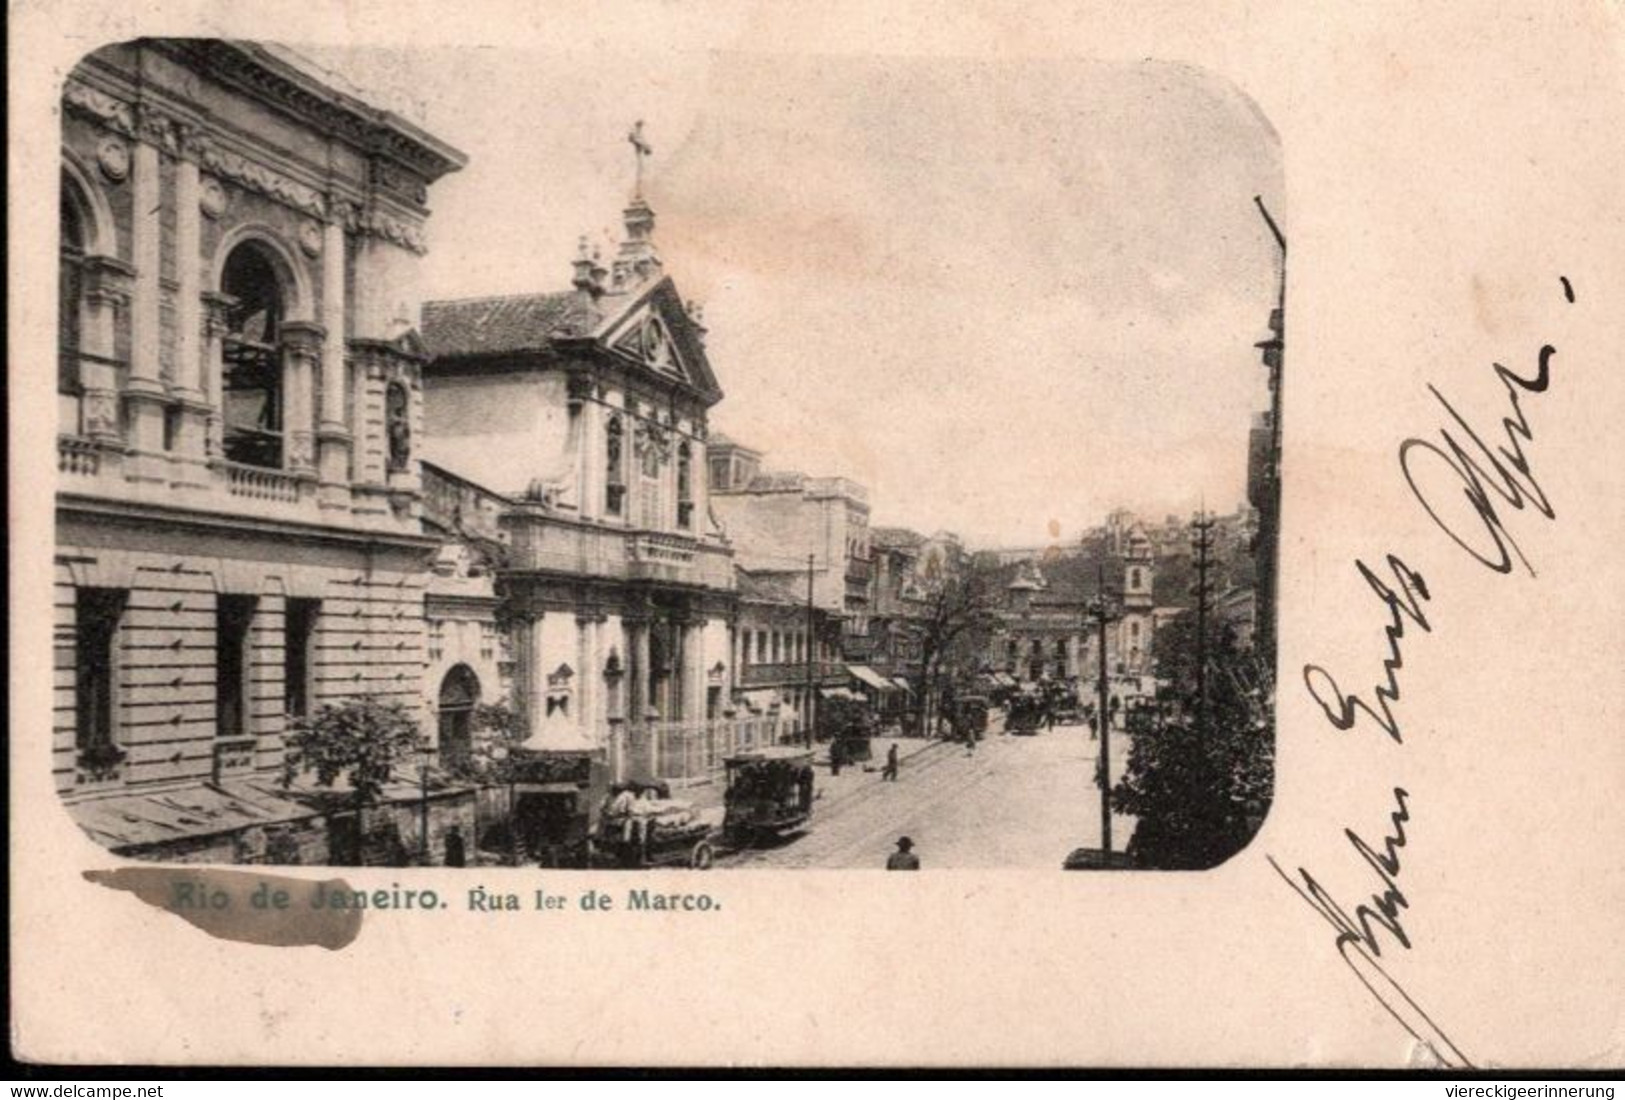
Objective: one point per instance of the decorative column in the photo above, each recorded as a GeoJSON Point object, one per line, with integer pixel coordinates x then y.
{"type": "Point", "coordinates": [632, 478]}
{"type": "Point", "coordinates": [677, 684]}
{"type": "Point", "coordinates": [107, 290]}
{"type": "Point", "coordinates": [192, 430]}
{"type": "Point", "coordinates": [694, 649]}
{"type": "Point", "coordinates": [214, 328]}
{"type": "Point", "coordinates": [333, 439]}
{"type": "Point", "coordinates": [584, 437]}
{"type": "Point", "coordinates": [587, 663]}
{"type": "Point", "coordinates": [521, 637]}
{"type": "Point", "coordinates": [638, 673]}
{"type": "Point", "coordinates": [699, 480]}
{"type": "Point", "coordinates": [144, 393]}
{"type": "Point", "coordinates": [302, 341]}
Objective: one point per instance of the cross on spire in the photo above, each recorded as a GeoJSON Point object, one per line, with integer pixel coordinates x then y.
{"type": "Point", "coordinates": [640, 149]}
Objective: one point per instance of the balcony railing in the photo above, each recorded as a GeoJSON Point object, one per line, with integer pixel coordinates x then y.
{"type": "Point", "coordinates": [689, 752]}
{"type": "Point", "coordinates": [666, 549]}
{"type": "Point", "coordinates": [260, 483]}
{"type": "Point", "coordinates": [790, 672]}
{"type": "Point", "coordinates": [77, 457]}
{"type": "Point", "coordinates": [659, 557]}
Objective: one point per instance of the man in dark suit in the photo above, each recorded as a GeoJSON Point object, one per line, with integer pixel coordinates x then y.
{"type": "Point", "coordinates": [904, 858]}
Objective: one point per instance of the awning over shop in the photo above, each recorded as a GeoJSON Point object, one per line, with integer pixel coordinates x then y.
{"type": "Point", "coordinates": [902, 683]}
{"type": "Point", "coordinates": [868, 677]}
{"type": "Point", "coordinates": [131, 820]}
{"type": "Point", "coordinates": [1004, 679]}
{"type": "Point", "coordinates": [839, 693]}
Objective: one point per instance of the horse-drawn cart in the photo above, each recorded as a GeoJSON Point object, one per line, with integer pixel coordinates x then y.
{"type": "Point", "coordinates": [642, 826]}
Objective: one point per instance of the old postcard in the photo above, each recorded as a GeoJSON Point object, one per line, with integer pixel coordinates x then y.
{"type": "Point", "coordinates": [543, 508]}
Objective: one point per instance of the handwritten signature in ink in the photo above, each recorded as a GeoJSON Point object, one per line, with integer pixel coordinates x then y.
{"type": "Point", "coordinates": [1490, 480]}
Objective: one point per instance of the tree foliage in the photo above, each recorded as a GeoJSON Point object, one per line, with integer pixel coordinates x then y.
{"type": "Point", "coordinates": [960, 613]}
{"type": "Point", "coordinates": [362, 741]}
{"type": "Point", "coordinates": [1200, 781]}
{"type": "Point", "coordinates": [498, 730]}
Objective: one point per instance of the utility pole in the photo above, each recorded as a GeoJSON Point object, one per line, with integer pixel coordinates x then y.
{"type": "Point", "coordinates": [812, 693]}
{"type": "Point", "coordinates": [423, 812]}
{"type": "Point", "coordinates": [1101, 612]}
{"type": "Point", "coordinates": [1202, 549]}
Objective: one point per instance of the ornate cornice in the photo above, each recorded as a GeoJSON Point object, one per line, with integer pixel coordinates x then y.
{"type": "Point", "coordinates": [374, 222]}
{"type": "Point", "coordinates": [272, 80]}
{"type": "Point", "coordinates": [110, 111]}
{"type": "Point", "coordinates": [256, 177]}
{"type": "Point", "coordinates": [146, 122]}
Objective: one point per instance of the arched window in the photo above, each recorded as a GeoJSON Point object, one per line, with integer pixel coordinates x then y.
{"type": "Point", "coordinates": [685, 487]}
{"type": "Point", "coordinates": [614, 468]}
{"type": "Point", "coordinates": [70, 285]}
{"type": "Point", "coordinates": [459, 694]}
{"type": "Point", "coordinates": [252, 383]}
{"type": "Point", "coordinates": [1134, 579]}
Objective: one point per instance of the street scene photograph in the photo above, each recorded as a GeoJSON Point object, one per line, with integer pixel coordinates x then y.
{"type": "Point", "coordinates": [480, 458]}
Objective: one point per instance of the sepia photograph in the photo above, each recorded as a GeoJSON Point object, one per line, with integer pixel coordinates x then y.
{"type": "Point", "coordinates": [553, 504]}
{"type": "Point", "coordinates": [452, 472]}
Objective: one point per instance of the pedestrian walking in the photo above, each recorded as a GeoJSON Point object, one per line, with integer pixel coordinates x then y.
{"type": "Point", "coordinates": [904, 858]}
{"type": "Point", "coordinates": [889, 773]}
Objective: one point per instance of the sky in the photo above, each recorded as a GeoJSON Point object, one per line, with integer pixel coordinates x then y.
{"type": "Point", "coordinates": [1007, 297]}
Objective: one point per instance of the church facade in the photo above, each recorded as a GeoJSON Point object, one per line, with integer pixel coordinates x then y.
{"type": "Point", "coordinates": [586, 411]}
{"type": "Point", "coordinates": [240, 401]}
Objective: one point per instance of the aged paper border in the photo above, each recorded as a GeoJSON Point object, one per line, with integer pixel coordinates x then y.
{"type": "Point", "coordinates": [1442, 171]}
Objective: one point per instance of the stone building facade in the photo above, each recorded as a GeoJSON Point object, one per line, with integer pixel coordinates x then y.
{"type": "Point", "coordinates": [786, 524]}
{"type": "Point", "coordinates": [897, 601]}
{"type": "Point", "coordinates": [1045, 632]}
{"type": "Point", "coordinates": [468, 650]}
{"type": "Point", "coordinates": [585, 411]}
{"type": "Point", "coordinates": [240, 403]}
{"type": "Point", "coordinates": [783, 661]}
{"type": "Point", "coordinates": [776, 520]}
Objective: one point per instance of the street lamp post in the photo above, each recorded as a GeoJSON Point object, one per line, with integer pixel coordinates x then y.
{"type": "Point", "coordinates": [425, 757]}
{"type": "Point", "coordinates": [504, 760]}
{"type": "Point", "coordinates": [1100, 612]}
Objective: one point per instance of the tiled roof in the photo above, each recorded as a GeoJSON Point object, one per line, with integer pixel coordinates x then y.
{"type": "Point", "coordinates": [520, 322]}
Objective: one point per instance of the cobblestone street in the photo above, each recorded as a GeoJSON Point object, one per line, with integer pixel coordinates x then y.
{"type": "Point", "coordinates": [1018, 802]}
